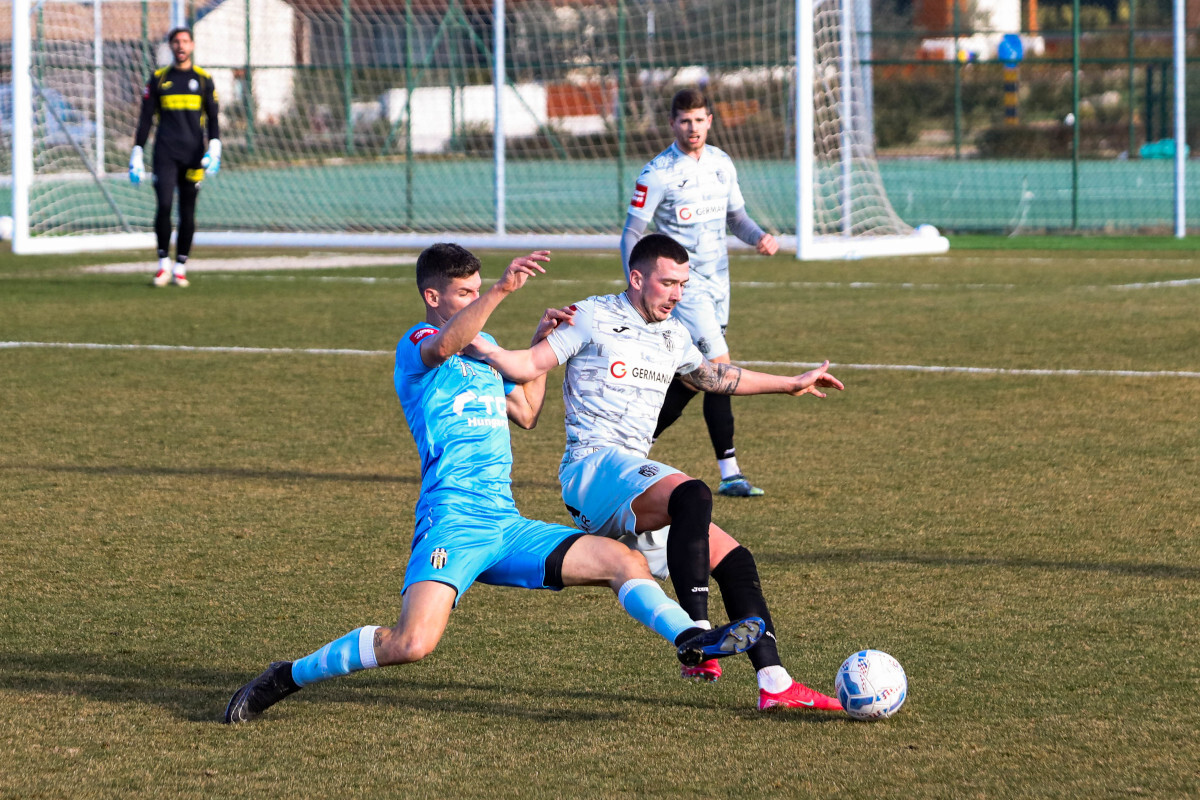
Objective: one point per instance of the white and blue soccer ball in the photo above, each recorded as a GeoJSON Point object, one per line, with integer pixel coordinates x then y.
{"type": "Point", "coordinates": [871, 685]}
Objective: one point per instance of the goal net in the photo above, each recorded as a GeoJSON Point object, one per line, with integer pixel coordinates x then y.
{"type": "Point", "coordinates": [386, 123]}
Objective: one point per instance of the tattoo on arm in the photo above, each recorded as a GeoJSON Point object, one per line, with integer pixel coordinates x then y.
{"type": "Point", "coordinates": [714, 378]}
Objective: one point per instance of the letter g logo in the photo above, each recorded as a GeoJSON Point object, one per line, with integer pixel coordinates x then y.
{"type": "Point", "coordinates": [617, 369]}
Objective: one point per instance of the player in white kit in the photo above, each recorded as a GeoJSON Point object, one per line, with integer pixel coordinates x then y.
{"type": "Point", "coordinates": [690, 192]}
{"type": "Point", "coordinates": [622, 352]}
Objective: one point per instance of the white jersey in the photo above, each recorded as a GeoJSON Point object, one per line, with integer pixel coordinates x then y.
{"type": "Point", "coordinates": [618, 370]}
{"type": "Point", "coordinates": [688, 198]}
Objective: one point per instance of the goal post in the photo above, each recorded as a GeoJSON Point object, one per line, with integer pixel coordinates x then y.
{"type": "Point", "coordinates": [399, 123]}
{"type": "Point", "coordinates": [842, 208]}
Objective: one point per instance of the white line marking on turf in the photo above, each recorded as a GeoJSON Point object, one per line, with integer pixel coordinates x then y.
{"type": "Point", "coordinates": [1104, 373]}
{"type": "Point", "coordinates": [310, 261]}
{"type": "Point", "coordinates": [1158, 284]}
{"type": "Point", "coordinates": [341, 351]}
{"type": "Point", "coordinates": [183, 348]}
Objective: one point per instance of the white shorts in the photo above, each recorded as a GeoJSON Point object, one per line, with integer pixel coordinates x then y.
{"type": "Point", "coordinates": [599, 489]}
{"type": "Point", "coordinates": [653, 545]}
{"type": "Point", "coordinates": [704, 311]}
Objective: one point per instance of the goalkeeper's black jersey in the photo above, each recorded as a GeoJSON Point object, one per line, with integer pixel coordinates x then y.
{"type": "Point", "coordinates": [185, 101]}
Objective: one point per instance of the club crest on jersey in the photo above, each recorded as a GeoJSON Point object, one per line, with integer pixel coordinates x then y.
{"type": "Point", "coordinates": [194, 85]}
{"type": "Point", "coordinates": [721, 175]}
{"type": "Point", "coordinates": [439, 558]}
{"type": "Point", "coordinates": [668, 341]}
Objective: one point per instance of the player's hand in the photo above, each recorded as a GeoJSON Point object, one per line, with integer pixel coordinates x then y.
{"type": "Point", "coordinates": [767, 245]}
{"type": "Point", "coordinates": [814, 380]}
{"type": "Point", "coordinates": [553, 318]}
{"type": "Point", "coordinates": [521, 269]}
{"type": "Point", "coordinates": [212, 159]}
{"type": "Point", "coordinates": [137, 166]}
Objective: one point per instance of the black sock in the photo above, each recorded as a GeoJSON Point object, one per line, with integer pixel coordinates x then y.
{"type": "Point", "coordinates": [718, 415]}
{"type": "Point", "coordinates": [688, 634]}
{"type": "Point", "coordinates": [737, 575]}
{"type": "Point", "coordinates": [690, 508]}
{"type": "Point", "coordinates": [678, 396]}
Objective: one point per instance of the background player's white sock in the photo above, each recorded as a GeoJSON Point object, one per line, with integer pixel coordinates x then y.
{"type": "Point", "coordinates": [353, 652]}
{"type": "Point", "coordinates": [729, 467]}
{"type": "Point", "coordinates": [774, 679]}
{"type": "Point", "coordinates": [645, 601]}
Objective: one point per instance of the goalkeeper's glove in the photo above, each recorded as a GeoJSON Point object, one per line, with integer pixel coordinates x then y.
{"type": "Point", "coordinates": [137, 167]}
{"type": "Point", "coordinates": [212, 159]}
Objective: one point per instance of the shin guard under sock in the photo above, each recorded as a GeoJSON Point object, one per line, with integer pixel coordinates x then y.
{"type": "Point", "coordinates": [737, 576]}
{"type": "Point", "coordinates": [690, 508]}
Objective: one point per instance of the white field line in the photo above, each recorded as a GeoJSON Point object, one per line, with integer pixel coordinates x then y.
{"type": "Point", "coordinates": [793, 365]}
{"type": "Point", "coordinates": [321, 260]}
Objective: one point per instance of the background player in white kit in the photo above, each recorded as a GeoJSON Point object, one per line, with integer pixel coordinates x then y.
{"type": "Point", "coordinates": [690, 191]}
{"type": "Point", "coordinates": [621, 352]}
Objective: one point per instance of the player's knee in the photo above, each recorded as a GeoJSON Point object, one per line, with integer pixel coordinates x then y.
{"type": "Point", "coordinates": [398, 646]}
{"type": "Point", "coordinates": [629, 565]}
{"type": "Point", "coordinates": [690, 495]}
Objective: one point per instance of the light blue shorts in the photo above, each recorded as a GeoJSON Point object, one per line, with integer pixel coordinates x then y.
{"type": "Point", "coordinates": [600, 488]}
{"type": "Point", "coordinates": [704, 311]}
{"type": "Point", "coordinates": [457, 548]}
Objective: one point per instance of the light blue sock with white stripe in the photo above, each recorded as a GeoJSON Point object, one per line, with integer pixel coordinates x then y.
{"type": "Point", "coordinates": [353, 652]}
{"type": "Point", "coordinates": [645, 601]}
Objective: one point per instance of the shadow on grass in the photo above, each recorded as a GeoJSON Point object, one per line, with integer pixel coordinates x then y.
{"type": "Point", "coordinates": [198, 694]}
{"type": "Point", "coordinates": [1175, 571]}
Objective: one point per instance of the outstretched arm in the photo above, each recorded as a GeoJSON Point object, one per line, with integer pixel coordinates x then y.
{"type": "Point", "coordinates": [716, 378]}
{"type": "Point", "coordinates": [467, 323]}
{"type": "Point", "coordinates": [526, 400]}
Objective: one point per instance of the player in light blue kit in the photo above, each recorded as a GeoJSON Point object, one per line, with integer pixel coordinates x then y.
{"type": "Point", "coordinates": [690, 192]}
{"type": "Point", "coordinates": [467, 525]}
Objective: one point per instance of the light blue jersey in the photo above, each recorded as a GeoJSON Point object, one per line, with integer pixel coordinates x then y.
{"type": "Point", "coordinates": [467, 525]}
{"type": "Point", "coordinates": [456, 412]}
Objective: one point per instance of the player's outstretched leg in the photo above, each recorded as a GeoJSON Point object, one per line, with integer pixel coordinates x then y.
{"type": "Point", "coordinates": [727, 640]}
{"type": "Point", "coordinates": [737, 576]}
{"type": "Point", "coordinates": [250, 701]}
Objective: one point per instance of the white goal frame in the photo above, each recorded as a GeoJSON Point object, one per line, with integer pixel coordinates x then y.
{"type": "Point", "coordinates": [809, 243]}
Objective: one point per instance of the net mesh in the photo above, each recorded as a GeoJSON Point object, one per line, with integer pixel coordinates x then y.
{"type": "Point", "coordinates": [383, 119]}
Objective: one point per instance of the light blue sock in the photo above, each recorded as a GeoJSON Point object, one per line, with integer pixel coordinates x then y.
{"type": "Point", "coordinates": [645, 601]}
{"type": "Point", "coordinates": [353, 652]}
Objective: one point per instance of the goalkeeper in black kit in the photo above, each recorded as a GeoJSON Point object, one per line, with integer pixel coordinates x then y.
{"type": "Point", "coordinates": [187, 145]}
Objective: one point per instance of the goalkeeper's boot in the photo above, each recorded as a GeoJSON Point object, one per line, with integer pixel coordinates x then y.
{"type": "Point", "coordinates": [797, 696]}
{"type": "Point", "coordinates": [738, 486]}
{"type": "Point", "coordinates": [179, 278]}
{"type": "Point", "coordinates": [727, 640]}
{"type": "Point", "coordinates": [250, 701]}
{"type": "Point", "coordinates": [163, 276]}
{"type": "Point", "coordinates": [704, 671]}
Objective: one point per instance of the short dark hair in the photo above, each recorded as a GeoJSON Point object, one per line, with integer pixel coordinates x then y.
{"type": "Point", "coordinates": [443, 262]}
{"type": "Point", "coordinates": [649, 249]}
{"type": "Point", "coordinates": [688, 100]}
{"type": "Point", "coordinates": [171, 34]}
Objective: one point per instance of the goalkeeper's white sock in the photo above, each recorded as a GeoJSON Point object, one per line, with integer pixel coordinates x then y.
{"type": "Point", "coordinates": [164, 264]}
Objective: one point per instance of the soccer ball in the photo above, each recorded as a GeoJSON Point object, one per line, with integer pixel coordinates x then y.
{"type": "Point", "coordinates": [871, 685]}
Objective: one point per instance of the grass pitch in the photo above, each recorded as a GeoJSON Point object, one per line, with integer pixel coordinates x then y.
{"type": "Point", "coordinates": [1024, 541]}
